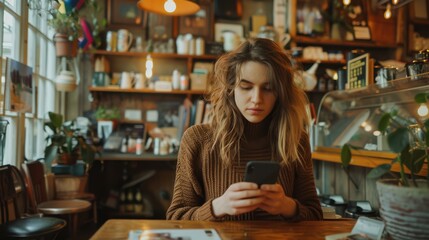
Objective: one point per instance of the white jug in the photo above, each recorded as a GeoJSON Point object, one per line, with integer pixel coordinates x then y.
{"type": "Point", "coordinates": [231, 40]}
{"type": "Point", "coordinates": [125, 38]}
{"type": "Point", "coordinates": [127, 80]}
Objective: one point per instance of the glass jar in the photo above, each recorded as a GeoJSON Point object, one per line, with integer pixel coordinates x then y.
{"type": "Point", "coordinates": [419, 65]}
{"type": "Point", "coordinates": [267, 32]}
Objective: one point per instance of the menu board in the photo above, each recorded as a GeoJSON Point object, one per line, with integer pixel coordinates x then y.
{"type": "Point", "coordinates": [359, 71]}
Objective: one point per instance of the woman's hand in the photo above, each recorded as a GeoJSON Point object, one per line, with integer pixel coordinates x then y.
{"type": "Point", "coordinates": [276, 202]}
{"type": "Point", "coordinates": [239, 198]}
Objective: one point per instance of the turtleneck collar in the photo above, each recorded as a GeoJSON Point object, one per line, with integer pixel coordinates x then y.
{"type": "Point", "coordinates": [253, 131]}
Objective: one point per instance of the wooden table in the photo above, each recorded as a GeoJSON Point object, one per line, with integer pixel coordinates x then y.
{"type": "Point", "coordinates": [311, 230]}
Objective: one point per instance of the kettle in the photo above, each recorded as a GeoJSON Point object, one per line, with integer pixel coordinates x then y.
{"type": "Point", "coordinates": [309, 77]}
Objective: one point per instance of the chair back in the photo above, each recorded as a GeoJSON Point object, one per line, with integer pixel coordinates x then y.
{"type": "Point", "coordinates": [13, 199]}
{"type": "Point", "coordinates": [36, 183]}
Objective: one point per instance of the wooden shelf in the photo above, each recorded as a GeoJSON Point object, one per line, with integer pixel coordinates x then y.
{"type": "Point", "coordinates": [363, 161]}
{"type": "Point", "coordinates": [337, 43]}
{"type": "Point", "coordinates": [112, 156]}
{"type": "Point", "coordinates": [325, 62]}
{"type": "Point", "coordinates": [154, 55]}
{"type": "Point", "coordinates": [150, 91]}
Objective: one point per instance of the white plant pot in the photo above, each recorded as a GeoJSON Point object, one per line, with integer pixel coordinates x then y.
{"type": "Point", "coordinates": [66, 81]}
{"type": "Point", "coordinates": [405, 210]}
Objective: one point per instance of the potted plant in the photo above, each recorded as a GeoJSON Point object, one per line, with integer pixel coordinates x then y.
{"type": "Point", "coordinates": [69, 20]}
{"type": "Point", "coordinates": [404, 201]}
{"type": "Point", "coordinates": [66, 143]}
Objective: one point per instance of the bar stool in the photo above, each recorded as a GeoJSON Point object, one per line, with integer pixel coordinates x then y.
{"type": "Point", "coordinates": [14, 223]}
{"type": "Point", "coordinates": [35, 177]}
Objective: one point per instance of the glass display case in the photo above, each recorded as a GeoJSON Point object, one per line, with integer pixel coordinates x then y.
{"type": "Point", "coordinates": [352, 116]}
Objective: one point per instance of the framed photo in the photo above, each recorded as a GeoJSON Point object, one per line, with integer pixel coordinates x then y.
{"type": "Point", "coordinates": [19, 95]}
{"type": "Point", "coordinates": [160, 26]}
{"type": "Point", "coordinates": [104, 128]}
{"type": "Point", "coordinates": [124, 12]}
{"type": "Point", "coordinates": [200, 24]}
{"type": "Point", "coordinates": [225, 27]}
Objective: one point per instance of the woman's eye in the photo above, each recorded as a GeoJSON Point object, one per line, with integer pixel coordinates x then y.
{"type": "Point", "coordinates": [246, 86]}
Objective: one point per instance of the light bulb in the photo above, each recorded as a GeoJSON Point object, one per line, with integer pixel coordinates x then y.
{"type": "Point", "coordinates": [388, 12]}
{"type": "Point", "coordinates": [368, 128]}
{"type": "Point", "coordinates": [346, 2]}
{"type": "Point", "coordinates": [394, 2]}
{"type": "Point", "coordinates": [149, 62]}
{"type": "Point", "coordinates": [422, 110]}
{"type": "Point", "coordinates": [169, 6]}
{"type": "Point", "coordinates": [376, 133]}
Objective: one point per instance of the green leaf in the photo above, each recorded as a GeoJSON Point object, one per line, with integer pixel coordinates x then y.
{"type": "Point", "coordinates": [420, 98]}
{"type": "Point", "coordinates": [415, 164]}
{"type": "Point", "coordinates": [379, 171]}
{"type": "Point", "coordinates": [56, 119]}
{"type": "Point", "coordinates": [346, 155]}
{"type": "Point", "coordinates": [50, 154]}
{"type": "Point", "coordinates": [384, 122]}
{"type": "Point", "coordinates": [398, 139]}
{"type": "Point", "coordinates": [406, 157]}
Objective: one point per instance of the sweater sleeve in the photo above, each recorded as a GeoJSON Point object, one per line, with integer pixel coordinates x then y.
{"type": "Point", "coordinates": [304, 194]}
{"type": "Point", "coordinates": [188, 201]}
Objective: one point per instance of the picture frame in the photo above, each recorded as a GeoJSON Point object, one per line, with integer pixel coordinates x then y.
{"type": "Point", "coordinates": [199, 24]}
{"type": "Point", "coordinates": [124, 13]}
{"type": "Point", "coordinates": [20, 92]}
{"type": "Point", "coordinates": [232, 27]}
{"type": "Point", "coordinates": [419, 9]}
{"type": "Point", "coordinates": [359, 71]}
{"type": "Point", "coordinates": [104, 128]}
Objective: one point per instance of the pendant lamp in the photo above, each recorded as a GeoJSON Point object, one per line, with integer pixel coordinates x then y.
{"type": "Point", "coordinates": [169, 7]}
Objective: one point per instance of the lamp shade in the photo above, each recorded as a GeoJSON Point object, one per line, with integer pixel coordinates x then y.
{"type": "Point", "coordinates": [183, 7]}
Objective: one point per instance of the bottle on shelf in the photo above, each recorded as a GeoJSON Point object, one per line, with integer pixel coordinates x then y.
{"type": "Point", "coordinates": [130, 201]}
{"type": "Point", "coordinates": [138, 201]}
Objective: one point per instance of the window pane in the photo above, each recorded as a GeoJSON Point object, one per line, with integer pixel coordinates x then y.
{"type": "Point", "coordinates": [14, 5]}
{"type": "Point", "coordinates": [10, 36]}
{"type": "Point", "coordinates": [31, 51]}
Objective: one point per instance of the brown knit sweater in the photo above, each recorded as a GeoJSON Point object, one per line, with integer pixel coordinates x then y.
{"type": "Point", "coordinates": [201, 177]}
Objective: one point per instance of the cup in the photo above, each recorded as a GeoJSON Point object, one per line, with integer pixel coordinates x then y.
{"type": "Point", "coordinates": [111, 40]}
{"type": "Point", "coordinates": [126, 80]}
{"type": "Point", "coordinates": [139, 81]}
{"type": "Point", "coordinates": [125, 38]}
{"type": "Point", "coordinates": [231, 40]}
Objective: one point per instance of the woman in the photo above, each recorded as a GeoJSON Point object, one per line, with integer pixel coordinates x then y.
{"type": "Point", "coordinates": [258, 114]}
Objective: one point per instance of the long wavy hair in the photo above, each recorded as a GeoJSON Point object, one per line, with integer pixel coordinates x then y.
{"type": "Point", "coordinates": [289, 115]}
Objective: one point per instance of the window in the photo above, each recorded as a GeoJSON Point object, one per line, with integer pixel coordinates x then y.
{"type": "Point", "coordinates": [27, 41]}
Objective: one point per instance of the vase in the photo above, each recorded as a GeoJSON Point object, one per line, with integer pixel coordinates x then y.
{"type": "Point", "coordinates": [405, 210]}
{"type": "Point", "coordinates": [67, 159]}
{"type": "Point", "coordinates": [64, 47]}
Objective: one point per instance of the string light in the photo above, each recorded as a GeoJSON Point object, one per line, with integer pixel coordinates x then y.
{"type": "Point", "coordinates": [149, 66]}
{"type": "Point", "coordinates": [346, 2]}
{"type": "Point", "coordinates": [422, 110]}
{"type": "Point", "coordinates": [170, 6]}
{"type": "Point", "coordinates": [394, 2]}
{"type": "Point", "coordinates": [388, 12]}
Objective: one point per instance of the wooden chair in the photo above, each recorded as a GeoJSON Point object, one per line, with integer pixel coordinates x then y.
{"type": "Point", "coordinates": [79, 193]}
{"type": "Point", "coordinates": [13, 206]}
{"type": "Point", "coordinates": [39, 201]}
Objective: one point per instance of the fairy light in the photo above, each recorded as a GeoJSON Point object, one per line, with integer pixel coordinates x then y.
{"type": "Point", "coordinates": [422, 110]}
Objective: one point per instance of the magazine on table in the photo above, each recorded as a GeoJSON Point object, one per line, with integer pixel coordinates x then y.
{"type": "Point", "coordinates": [174, 234]}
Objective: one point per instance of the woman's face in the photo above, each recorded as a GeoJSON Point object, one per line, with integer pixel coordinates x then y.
{"type": "Point", "coordinates": [253, 95]}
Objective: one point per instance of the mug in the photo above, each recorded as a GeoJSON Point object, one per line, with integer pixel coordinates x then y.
{"type": "Point", "coordinates": [127, 80]}
{"type": "Point", "coordinates": [139, 81]}
{"type": "Point", "coordinates": [111, 40]}
{"type": "Point", "coordinates": [231, 40]}
{"type": "Point", "coordinates": [125, 38]}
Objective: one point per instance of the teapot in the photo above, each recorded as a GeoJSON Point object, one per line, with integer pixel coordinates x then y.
{"type": "Point", "coordinates": [309, 77]}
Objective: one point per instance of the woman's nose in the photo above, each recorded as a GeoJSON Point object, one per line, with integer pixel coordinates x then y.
{"type": "Point", "coordinates": [256, 95]}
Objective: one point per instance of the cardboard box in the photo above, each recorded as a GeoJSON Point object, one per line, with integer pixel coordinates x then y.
{"type": "Point", "coordinates": [198, 81]}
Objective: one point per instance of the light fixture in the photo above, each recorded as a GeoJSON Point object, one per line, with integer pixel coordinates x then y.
{"type": "Point", "coordinates": [169, 7]}
{"type": "Point", "coordinates": [390, 5]}
{"type": "Point", "coordinates": [422, 110]}
{"type": "Point", "coordinates": [346, 2]}
{"type": "Point", "coordinates": [388, 12]}
{"type": "Point", "coordinates": [149, 67]}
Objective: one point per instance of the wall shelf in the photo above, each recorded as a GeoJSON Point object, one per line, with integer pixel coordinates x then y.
{"type": "Point", "coordinates": [304, 40]}
{"type": "Point", "coordinates": [154, 55]}
{"type": "Point", "coordinates": [113, 156]}
{"type": "Point", "coordinates": [150, 91]}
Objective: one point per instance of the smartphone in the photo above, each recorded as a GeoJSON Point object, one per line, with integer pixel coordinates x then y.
{"type": "Point", "coordinates": [262, 172]}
